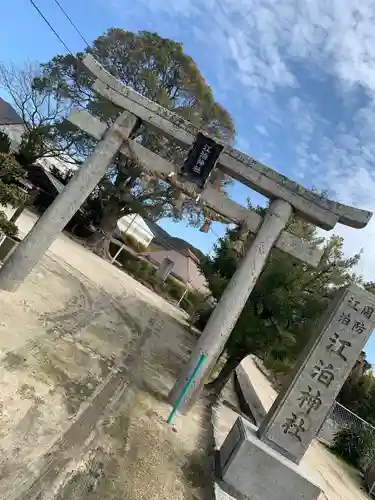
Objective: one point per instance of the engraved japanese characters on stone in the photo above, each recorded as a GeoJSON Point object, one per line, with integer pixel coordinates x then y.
{"type": "Point", "coordinates": [354, 303]}
{"type": "Point", "coordinates": [309, 401]}
{"type": "Point", "coordinates": [359, 327]}
{"type": "Point", "coordinates": [345, 319]}
{"type": "Point", "coordinates": [293, 426]}
{"type": "Point", "coordinates": [302, 407]}
{"type": "Point", "coordinates": [323, 373]}
{"type": "Point", "coordinates": [338, 345]}
{"type": "Point", "coordinates": [367, 312]}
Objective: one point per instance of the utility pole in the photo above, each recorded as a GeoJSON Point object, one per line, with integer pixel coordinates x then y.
{"type": "Point", "coordinates": [52, 222]}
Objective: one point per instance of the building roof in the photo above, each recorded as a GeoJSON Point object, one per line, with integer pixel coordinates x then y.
{"type": "Point", "coordinates": [165, 240]}
{"type": "Point", "coordinates": [8, 115]}
{"type": "Point", "coordinates": [59, 186]}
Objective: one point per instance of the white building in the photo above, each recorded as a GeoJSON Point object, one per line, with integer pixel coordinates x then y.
{"type": "Point", "coordinates": [12, 125]}
{"type": "Point", "coordinates": [133, 225]}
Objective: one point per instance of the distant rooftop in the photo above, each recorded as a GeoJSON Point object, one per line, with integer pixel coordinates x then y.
{"type": "Point", "coordinates": [171, 242]}
{"type": "Point", "coordinates": [8, 115]}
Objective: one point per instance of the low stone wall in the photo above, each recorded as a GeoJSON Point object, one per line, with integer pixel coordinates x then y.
{"type": "Point", "coordinates": [257, 407]}
{"type": "Point", "coordinates": [250, 381]}
{"type": "Point", "coordinates": [249, 395]}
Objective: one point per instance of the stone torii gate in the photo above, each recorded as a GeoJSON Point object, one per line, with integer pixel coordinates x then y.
{"type": "Point", "coordinates": [287, 198]}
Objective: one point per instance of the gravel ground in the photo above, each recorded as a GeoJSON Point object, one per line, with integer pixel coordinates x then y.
{"type": "Point", "coordinates": [88, 357]}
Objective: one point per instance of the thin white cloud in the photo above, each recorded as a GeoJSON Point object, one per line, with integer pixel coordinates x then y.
{"type": "Point", "coordinates": [258, 34]}
{"type": "Point", "coordinates": [262, 130]}
{"type": "Point", "coordinates": [253, 46]}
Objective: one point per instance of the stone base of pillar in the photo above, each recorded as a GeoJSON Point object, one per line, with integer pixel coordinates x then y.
{"type": "Point", "coordinates": [256, 471]}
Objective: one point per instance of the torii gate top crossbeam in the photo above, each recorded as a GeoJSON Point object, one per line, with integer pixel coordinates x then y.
{"type": "Point", "coordinates": [304, 251]}
{"type": "Point", "coordinates": [321, 211]}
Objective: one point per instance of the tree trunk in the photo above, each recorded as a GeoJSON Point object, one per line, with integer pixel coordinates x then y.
{"type": "Point", "coordinates": [99, 242]}
{"type": "Point", "coordinates": [218, 384]}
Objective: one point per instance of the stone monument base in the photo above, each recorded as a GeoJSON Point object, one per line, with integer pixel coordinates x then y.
{"type": "Point", "coordinates": [258, 472]}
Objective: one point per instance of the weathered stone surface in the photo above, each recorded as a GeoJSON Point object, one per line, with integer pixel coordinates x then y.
{"type": "Point", "coordinates": [258, 472]}
{"type": "Point", "coordinates": [301, 408]}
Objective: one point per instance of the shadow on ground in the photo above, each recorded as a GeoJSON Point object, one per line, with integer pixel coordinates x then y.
{"type": "Point", "coordinates": [84, 392]}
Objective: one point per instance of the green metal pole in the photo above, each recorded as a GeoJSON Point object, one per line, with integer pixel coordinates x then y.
{"type": "Point", "coordinates": [186, 388]}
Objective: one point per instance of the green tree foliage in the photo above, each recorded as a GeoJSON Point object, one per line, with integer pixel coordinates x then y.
{"type": "Point", "coordinates": [287, 300]}
{"type": "Point", "coordinates": [159, 69]}
{"type": "Point", "coordinates": [358, 392]}
{"type": "Point", "coordinates": [10, 193]}
{"type": "Point", "coordinates": [4, 143]}
{"type": "Point", "coordinates": [356, 444]}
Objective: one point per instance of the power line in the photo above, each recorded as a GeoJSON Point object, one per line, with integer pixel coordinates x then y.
{"type": "Point", "coordinates": [80, 65]}
{"type": "Point", "coordinates": [171, 247]}
{"type": "Point", "coordinates": [49, 25]}
{"type": "Point", "coordinates": [217, 236]}
{"type": "Point", "coordinates": [71, 22]}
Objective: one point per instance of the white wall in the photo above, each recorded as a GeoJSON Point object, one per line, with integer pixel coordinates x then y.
{"type": "Point", "coordinates": [14, 133]}
{"type": "Point", "coordinates": [64, 167]}
{"type": "Point", "coordinates": [136, 227]}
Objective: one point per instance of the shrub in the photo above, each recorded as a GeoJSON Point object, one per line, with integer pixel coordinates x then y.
{"type": "Point", "coordinates": [193, 302]}
{"type": "Point", "coordinates": [4, 143]}
{"type": "Point", "coordinates": [355, 444]}
{"type": "Point", "coordinates": [133, 243]}
{"type": "Point", "coordinates": [145, 272]}
{"type": "Point", "coordinates": [203, 315]}
{"type": "Point", "coordinates": [174, 291]}
{"type": "Point", "coordinates": [11, 173]}
{"type": "Point", "coordinates": [125, 257]}
{"type": "Point", "coordinates": [145, 268]}
{"type": "Point", "coordinates": [280, 367]}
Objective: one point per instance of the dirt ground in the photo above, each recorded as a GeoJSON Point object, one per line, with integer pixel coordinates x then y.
{"type": "Point", "coordinates": [88, 357]}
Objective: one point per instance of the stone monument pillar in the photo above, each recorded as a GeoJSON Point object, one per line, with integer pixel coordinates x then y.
{"type": "Point", "coordinates": [274, 451]}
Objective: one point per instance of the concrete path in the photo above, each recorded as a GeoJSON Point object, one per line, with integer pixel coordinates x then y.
{"type": "Point", "coordinates": [94, 267]}
{"type": "Point", "coordinates": [88, 356]}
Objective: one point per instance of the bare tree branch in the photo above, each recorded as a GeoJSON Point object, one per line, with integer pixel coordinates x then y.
{"type": "Point", "coordinates": [40, 112]}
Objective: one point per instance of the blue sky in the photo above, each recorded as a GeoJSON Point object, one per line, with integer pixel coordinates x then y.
{"type": "Point", "coordinates": [297, 77]}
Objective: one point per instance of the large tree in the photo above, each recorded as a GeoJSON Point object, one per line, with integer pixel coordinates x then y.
{"type": "Point", "coordinates": [358, 392]}
{"type": "Point", "coordinates": [287, 300]}
{"type": "Point", "coordinates": [159, 69]}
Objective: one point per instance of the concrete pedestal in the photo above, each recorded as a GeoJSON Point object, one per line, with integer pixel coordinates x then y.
{"type": "Point", "coordinates": [258, 472]}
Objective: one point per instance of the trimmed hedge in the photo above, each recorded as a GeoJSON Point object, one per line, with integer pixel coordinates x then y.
{"type": "Point", "coordinates": [145, 273]}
